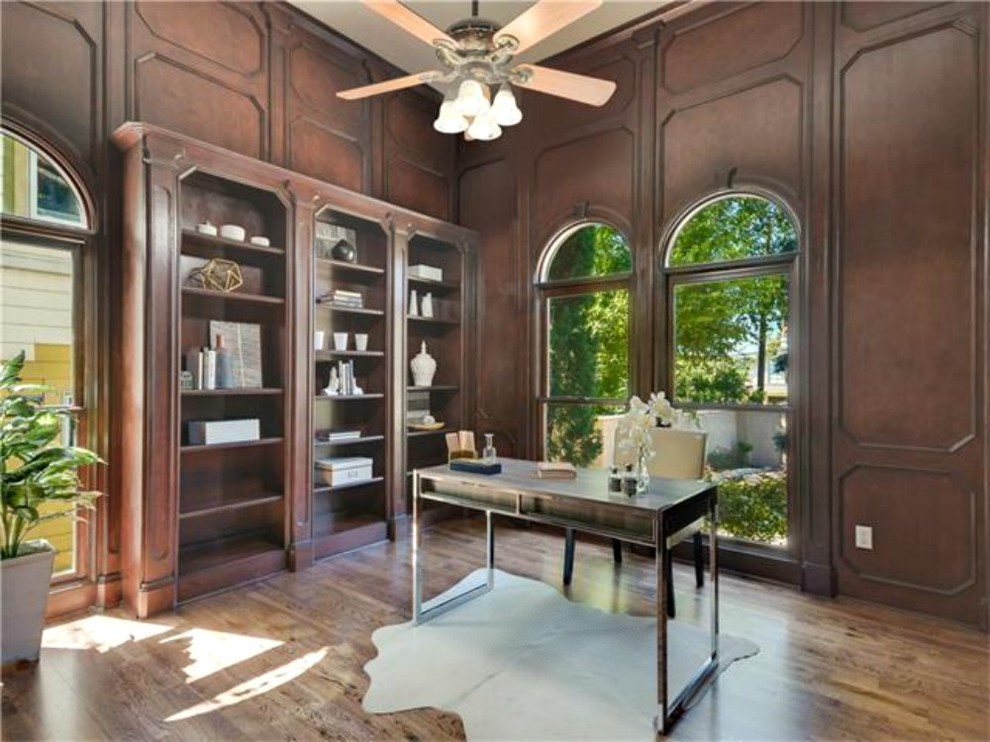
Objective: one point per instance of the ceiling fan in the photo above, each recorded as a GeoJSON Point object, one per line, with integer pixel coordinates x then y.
{"type": "Point", "coordinates": [476, 53]}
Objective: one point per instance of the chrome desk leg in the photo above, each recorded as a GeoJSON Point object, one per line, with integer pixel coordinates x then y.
{"type": "Point", "coordinates": [490, 548]}
{"type": "Point", "coordinates": [423, 611]}
{"type": "Point", "coordinates": [417, 559]}
{"type": "Point", "coordinates": [713, 561]}
{"type": "Point", "coordinates": [661, 722]}
{"type": "Point", "coordinates": [668, 714]}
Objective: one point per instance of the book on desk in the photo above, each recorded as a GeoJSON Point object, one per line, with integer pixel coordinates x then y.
{"type": "Point", "coordinates": [555, 470]}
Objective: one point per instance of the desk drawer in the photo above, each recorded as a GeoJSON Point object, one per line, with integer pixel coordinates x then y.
{"type": "Point", "coordinates": [616, 521]}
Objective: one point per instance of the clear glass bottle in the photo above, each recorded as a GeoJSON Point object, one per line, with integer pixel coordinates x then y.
{"type": "Point", "coordinates": [488, 453]}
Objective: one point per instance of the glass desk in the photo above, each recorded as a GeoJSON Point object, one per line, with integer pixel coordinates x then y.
{"type": "Point", "coordinates": [586, 505]}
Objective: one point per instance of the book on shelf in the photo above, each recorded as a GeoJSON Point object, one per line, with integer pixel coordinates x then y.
{"type": "Point", "coordinates": [555, 470]}
{"type": "Point", "coordinates": [345, 375]}
{"type": "Point", "coordinates": [342, 435]}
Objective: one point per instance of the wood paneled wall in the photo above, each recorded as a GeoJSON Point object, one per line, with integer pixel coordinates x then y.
{"type": "Point", "coordinates": [258, 78]}
{"type": "Point", "coordinates": [870, 121]}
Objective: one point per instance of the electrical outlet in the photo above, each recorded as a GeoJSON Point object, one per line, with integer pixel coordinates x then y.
{"type": "Point", "coordinates": [864, 537]}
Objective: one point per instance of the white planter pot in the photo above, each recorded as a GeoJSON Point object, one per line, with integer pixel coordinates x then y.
{"type": "Point", "coordinates": [25, 581]}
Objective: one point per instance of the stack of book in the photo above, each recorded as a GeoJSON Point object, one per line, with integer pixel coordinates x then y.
{"type": "Point", "coordinates": [555, 470]}
{"type": "Point", "coordinates": [342, 435]}
{"type": "Point", "coordinates": [342, 298]}
{"type": "Point", "coordinates": [345, 372]}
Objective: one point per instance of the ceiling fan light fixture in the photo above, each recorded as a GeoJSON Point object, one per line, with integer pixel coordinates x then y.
{"type": "Point", "coordinates": [449, 121]}
{"type": "Point", "coordinates": [472, 98]}
{"type": "Point", "coordinates": [504, 108]}
{"type": "Point", "coordinates": [484, 128]}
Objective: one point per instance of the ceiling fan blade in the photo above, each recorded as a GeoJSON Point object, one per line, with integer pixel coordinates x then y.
{"type": "Point", "coordinates": [545, 18]}
{"type": "Point", "coordinates": [584, 89]}
{"type": "Point", "coordinates": [407, 20]}
{"type": "Point", "coordinates": [388, 86]}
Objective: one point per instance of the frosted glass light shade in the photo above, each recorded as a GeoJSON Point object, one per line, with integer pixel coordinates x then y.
{"type": "Point", "coordinates": [484, 128]}
{"type": "Point", "coordinates": [504, 108]}
{"type": "Point", "coordinates": [472, 99]}
{"type": "Point", "coordinates": [449, 121]}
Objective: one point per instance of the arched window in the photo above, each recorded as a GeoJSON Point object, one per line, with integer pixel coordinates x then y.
{"type": "Point", "coordinates": [729, 269]}
{"type": "Point", "coordinates": [44, 228]}
{"type": "Point", "coordinates": [584, 283]}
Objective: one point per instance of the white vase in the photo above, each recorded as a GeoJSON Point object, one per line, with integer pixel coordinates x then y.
{"type": "Point", "coordinates": [25, 582]}
{"type": "Point", "coordinates": [427, 305]}
{"type": "Point", "coordinates": [413, 304]}
{"type": "Point", "coordinates": [423, 367]}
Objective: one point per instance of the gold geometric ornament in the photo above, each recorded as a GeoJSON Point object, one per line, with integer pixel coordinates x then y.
{"type": "Point", "coordinates": [217, 274]}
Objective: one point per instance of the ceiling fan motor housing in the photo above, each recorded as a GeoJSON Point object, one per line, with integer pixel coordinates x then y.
{"type": "Point", "coordinates": [476, 52]}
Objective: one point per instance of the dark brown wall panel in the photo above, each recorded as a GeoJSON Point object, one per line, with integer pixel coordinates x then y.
{"type": "Point", "coordinates": [205, 29]}
{"type": "Point", "coordinates": [909, 442]}
{"type": "Point", "coordinates": [863, 16]}
{"type": "Point", "coordinates": [190, 103]}
{"type": "Point", "coordinates": [599, 169]}
{"type": "Point", "coordinates": [418, 159]}
{"type": "Point", "coordinates": [327, 138]}
{"type": "Point", "coordinates": [50, 66]}
{"type": "Point", "coordinates": [902, 506]}
{"type": "Point", "coordinates": [409, 125]}
{"type": "Point", "coordinates": [488, 204]}
{"type": "Point", "coordinates": [756, 34]}
{"type": "Point", "coordinates": [201, 69]}
{"type": "Point", "coordinates": [326, 155]}
{"type": "Point", "coordinates": [756, 132]}
{"type": "Point", "coordinates": [907, 244]}
{"type": "Point", "coordinates": [416, 188]}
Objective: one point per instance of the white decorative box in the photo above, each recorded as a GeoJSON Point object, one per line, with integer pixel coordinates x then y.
{"type": "Point", "coordinates": [426, 271]}
{"type": "Point", "coordinates": [209, 432]}
{"type": "Point", "coordinates": [346, 470]}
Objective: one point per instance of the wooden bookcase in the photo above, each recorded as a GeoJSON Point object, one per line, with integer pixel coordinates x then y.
{"type": "Point", "coordinates": [450, 250]}
{"type": "Point", "coordinates": [352, 514]}
{"type": "Point", "coordinates": [200, 518]}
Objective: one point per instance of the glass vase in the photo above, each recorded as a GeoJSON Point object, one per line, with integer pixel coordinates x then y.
{"type": "Point", "coordinates": [642, 472]}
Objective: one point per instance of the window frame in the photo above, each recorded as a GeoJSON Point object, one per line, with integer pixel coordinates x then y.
{"type": "Point", "coordinates": [549, 289]}
{"type": "Point", "coordinates": [75, 589]}
{"type": "Point", "coordinates": [786, 264]}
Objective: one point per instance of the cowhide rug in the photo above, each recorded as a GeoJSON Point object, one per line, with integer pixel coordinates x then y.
{"type": "Point", "coordinates": [522, 662]}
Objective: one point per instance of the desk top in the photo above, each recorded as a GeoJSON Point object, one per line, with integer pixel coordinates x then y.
{"type": "Point", "coordinates": [590, 486]}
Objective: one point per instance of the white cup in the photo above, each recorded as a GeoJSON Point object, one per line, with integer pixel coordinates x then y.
{"type": "Point", "coordinates": [318, 340]}
{"type": "Point", "coordinates": [340, 341]}
{"type": "Point", "coordinates": [361, 340]}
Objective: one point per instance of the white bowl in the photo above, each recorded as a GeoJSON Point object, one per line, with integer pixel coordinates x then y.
{"type": "Point", "coordinates": [262, 241]}
{"type": "Point", "coordinates": [206, 228]}
{"type": "Point", "coordinates": [233, 232]}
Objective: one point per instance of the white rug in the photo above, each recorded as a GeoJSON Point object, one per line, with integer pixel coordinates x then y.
{"type": "Point", "coordinates": [522, 662]}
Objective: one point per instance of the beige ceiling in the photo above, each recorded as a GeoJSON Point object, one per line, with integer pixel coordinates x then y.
{"type": "Point", "coordinates": [391, 43]}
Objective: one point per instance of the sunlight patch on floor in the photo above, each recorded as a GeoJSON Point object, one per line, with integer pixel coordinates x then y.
{"type": "Point", "coordinates": [101, 633]}
{"type": "Point", "coordinates": [212, 651]}
{"type": "Point", "coordinates": [254, 687]}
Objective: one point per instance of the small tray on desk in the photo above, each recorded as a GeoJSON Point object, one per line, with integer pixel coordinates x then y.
{"type": "Point", "coordinates": [426, 426]}
{"type": "Point", "coordinates": [475, 466]}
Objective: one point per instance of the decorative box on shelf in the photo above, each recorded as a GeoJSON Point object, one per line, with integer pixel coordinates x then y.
{"type": "Point", "coordinates": [345, 470]}
{"type": "Point", "coordinates": [428, 272]}
{"type": "Point", "coordinates": [209, 432]}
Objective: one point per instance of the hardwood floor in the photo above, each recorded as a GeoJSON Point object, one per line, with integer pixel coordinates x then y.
{"type": "Point", "coordinates": [282, 659]}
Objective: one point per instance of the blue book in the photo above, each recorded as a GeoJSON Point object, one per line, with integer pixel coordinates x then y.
{"type": "Point", "coordinates": [475, 466]}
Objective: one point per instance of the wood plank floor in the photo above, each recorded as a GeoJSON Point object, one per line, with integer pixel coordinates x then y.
{"type": "Point", "coordinates": [282, 659]}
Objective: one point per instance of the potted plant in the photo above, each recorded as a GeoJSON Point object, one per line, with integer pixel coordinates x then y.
{"type": "Point", "coordinates": [33, 473]}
